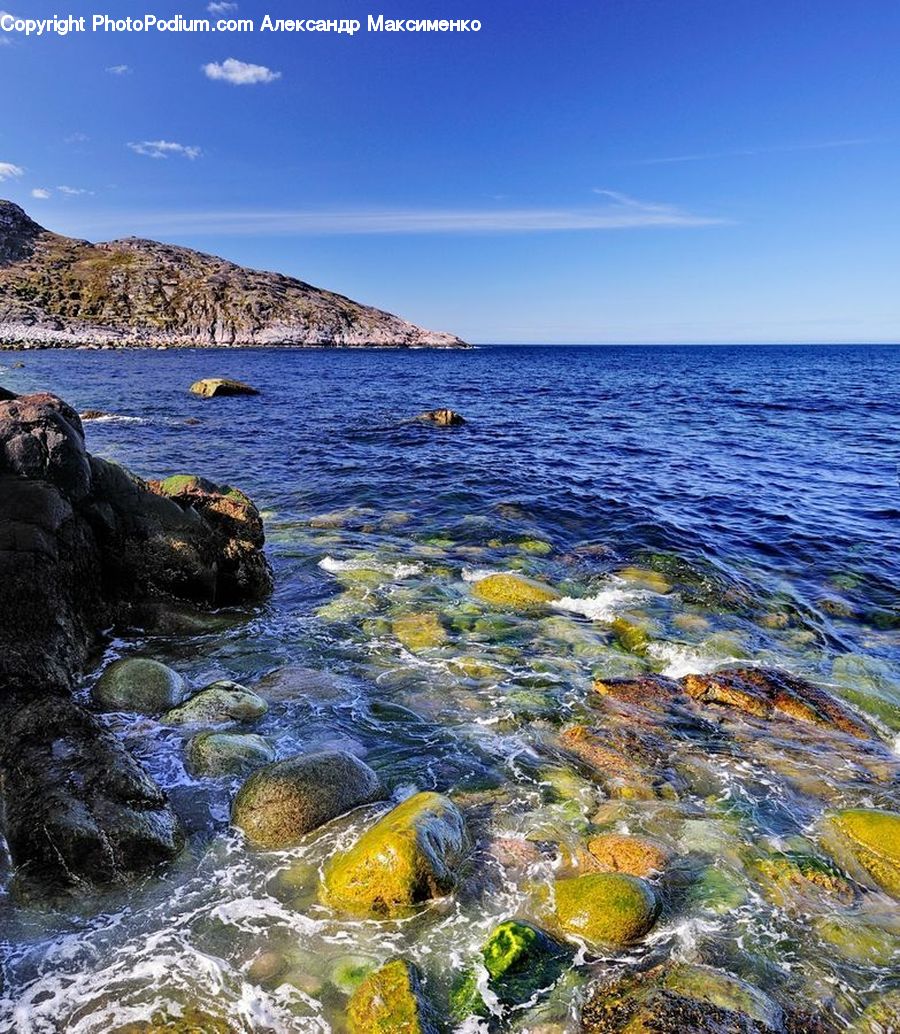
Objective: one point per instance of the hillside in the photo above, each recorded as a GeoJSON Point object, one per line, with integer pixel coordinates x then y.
{"type": "Point", "coordinates": [60, 292]}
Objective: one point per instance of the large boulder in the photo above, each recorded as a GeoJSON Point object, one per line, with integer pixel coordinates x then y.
{"type": "Point", "coordinates": [86, 546]}
{"type": "Point", "coordinates": [606, 909]}
{"type": "Point", "coordinates": [408, 857]}
{"type": "Point", "coordinates": [281, 803]}
{"type": "Point", "coordinates": [391, 1001]}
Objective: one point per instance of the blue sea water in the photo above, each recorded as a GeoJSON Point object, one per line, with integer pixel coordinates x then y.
{"type": "Point", "coordinates": [738, 503]}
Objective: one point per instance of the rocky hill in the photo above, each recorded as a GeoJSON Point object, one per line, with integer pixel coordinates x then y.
{"type": "Point", "coordinates": [60, 292]}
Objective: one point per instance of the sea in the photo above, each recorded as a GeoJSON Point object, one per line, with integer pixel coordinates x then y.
{"type": "Point", "coordinates": [735, 505]}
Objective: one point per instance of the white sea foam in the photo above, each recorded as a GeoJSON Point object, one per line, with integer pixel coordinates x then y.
{"type": "Point", "coordinates": [475, 574]}
{"type": "Point", "coordinates": [680, 660]}
{"type": "Point", "coordinates": [603, 606]}
{"type": "Point", "coordinates": [115, 418]}
{"type": "Point", "coordinates": [396, 571]}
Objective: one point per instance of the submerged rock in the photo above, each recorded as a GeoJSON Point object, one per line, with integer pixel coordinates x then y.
{"type": "Point", "coordinates": [681, 999]}
{"type": "Point", "coordinates": [181, 1020]}
{"type": "Point", "coordinates": [513, 592]}
{"type": "Point", "coordinates": [881, 1017]}
{"type": "Point", "coordinates": [281, 803]}
{"type": "Point", "coordinates": [868, 840]}
{"type": "Point", "coordinates": [227, 753]}
{"type": "Point", "coordinates": [635, 856]}
{"type": "Point", "coordinates": [409, 856]}
{"type": "Point", "coordinates": [802, 882]}
{"type": "Point", "coordinates": [213, 387]}
{"type": "Point", "coordinates": [93, 414]}
{"type": "Point", "coordinates": [139, 684]}
{"type": "Point", "coordinates": [391, 1001]}
{"type": "Point", "coordinates": [521, 961]}
{"type": "Point", "coordinates": [442, 417]}
{"type": "Point", "coordinates": [220, 702]}
{"type": "Point", "coordinates": [606, 909]}
{"type": "Point", "coordinates": [419, 631]}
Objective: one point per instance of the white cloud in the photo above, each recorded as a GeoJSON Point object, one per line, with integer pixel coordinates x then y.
{"type": "Point", "coordinates": [239, 73]}
{"type": "Point", "coordinates": [219, 7]}
{"type": "Point", "coordinates": [165, 149]}
{"type": "Point", "coordinates": [40, 194]}
{"type": "Point", "coordinates": [119, 70]}
{"type": "Point", "coordinates": [619, 213]}
{"type": "Point", "coordinates": [72, 191]}
{"type": "Point", "coordinates": [8, 171]}
{"type": "Point", "coordinates": [77, 138]}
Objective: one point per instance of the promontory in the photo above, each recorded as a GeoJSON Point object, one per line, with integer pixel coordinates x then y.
{"type": "Point", "coordinates": [61, 292]}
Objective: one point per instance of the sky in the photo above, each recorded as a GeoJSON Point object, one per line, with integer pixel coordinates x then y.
{"type": "Point", "coordinates": [613, 171]}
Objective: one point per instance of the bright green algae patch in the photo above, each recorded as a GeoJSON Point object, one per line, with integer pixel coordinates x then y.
{"type": "Point", "coordinates": [521, 961]}
{"type": "Point", "coordinates": [873, 839]}
{"type": "Point", "coordinates": [513, 592]}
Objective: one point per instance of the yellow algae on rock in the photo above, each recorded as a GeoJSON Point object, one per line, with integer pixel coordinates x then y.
{"type": "Point", "coordinates": [646, 578]}
{"type": "Point", "coordinates": [513, 592]}
{"type": "Point", "coordinates": [419, 631]}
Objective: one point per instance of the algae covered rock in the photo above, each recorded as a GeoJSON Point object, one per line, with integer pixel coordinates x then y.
{"type": "Point", "coordinates": [282, 802]}
{"type": "Point", "coordinates": [179, 1020]}
{"type": "Point", "coordinates": [419, 631]}
{"type": "Point", "coordinates": [606, 909]}
{"type": "Point", "coordinates": [513, 592]}
{"type": "Point", "coordinates": [881, 1017]}
{"type": "Point", "coordinates": [409, 856]}
{"type": "Point", "coordinates": [214, 387]}
{"type": "Point", "coordinates": [520, 960]}
{"type": "Point", "coordinates": [390, 1001]}
{"type": "Point", "coordinates": [868, 840]}
{"type": "Point", "coordinates": [139, 684]}
{"type": "Point", "coordinates": [794, 880]}
{"type": "Point", "coordinates": [227, 753]}
{"type": "Point", "coordinates": [218, 703]}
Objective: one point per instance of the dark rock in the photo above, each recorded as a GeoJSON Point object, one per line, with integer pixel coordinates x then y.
{"type": "Point", "coordinates": [93, 414]}
{"type": "Point", "coordinates": [442, 417]}
{"type": "Point", "coordinates": [85, 546]}
{"type": "Point", "coordinates": [78, 807]}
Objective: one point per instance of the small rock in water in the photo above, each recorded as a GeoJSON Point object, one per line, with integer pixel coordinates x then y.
{"type": "Point", "coordinates": [139, 684]}
{"type": "Point", "coordinates": [636, 856]}
{"type": "Point", "coordinates": [442, 418]}
{"type": "Point", "coordinates": [93, 414]}
{"type": "Point", "coordinates": [214, 387]}
{"type": "Point", "coordinates": [513, 592]}
{"type": "Point", "coordinates": [220, 702]}
{"type": "Point", "coordinates": [227, 753]}
{"type": "Point", "coordinates": [280, 803]}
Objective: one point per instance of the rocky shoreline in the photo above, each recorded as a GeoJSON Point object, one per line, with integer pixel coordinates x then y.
{"type": "Point", "coordinates": [86, 546]}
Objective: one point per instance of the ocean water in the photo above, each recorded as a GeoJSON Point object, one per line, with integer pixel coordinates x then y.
{"type": "Point", "coordinates": [735, 504]}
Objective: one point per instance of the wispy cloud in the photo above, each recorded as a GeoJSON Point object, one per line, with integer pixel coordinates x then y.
{"type": "Point", "coordinates": [119, 70]}
{"type": "Point", "coordinates": [239, 73]}
{"type": "Point", "coordinates": [618, 213]}
{"type": "Point", "coordinates": [77, 138]}
{"type": "Point", "coordinates": [73, 191]}
{"type": "Point", "coordinates": [218, 7]}
{"type": "Point", "coordinates": [165, 149]}
{"type": "Point", "coordinates": [40, 194]}
{"type": "Point", "coordinates": [9, 171]}
{"type": "Point", "coordinates": [751, 152]}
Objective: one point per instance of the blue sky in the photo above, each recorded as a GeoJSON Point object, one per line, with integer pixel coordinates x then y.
{"type": "Point", "coordinates": [615, 171]}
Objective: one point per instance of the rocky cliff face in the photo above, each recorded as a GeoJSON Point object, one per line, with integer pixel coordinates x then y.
{"type": "Point", "coordinates": [60, 292]}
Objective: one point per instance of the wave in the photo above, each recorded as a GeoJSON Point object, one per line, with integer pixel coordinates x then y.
{"type": "Point", "coordinates": [397, 571]}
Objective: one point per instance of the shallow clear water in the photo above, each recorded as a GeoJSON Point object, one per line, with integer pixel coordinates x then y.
{"type": "Point", "coordinates": [758, 486]}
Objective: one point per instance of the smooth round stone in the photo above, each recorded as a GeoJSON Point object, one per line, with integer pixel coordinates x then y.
{"type": "Point", "coordinates": [227, 753]}
{"type": "Point", "coordinates": [218, 703]}
{"type": "Point", "coordinates": [139, 684]}
{"type": "Point", "coordinates": [606, 909]}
